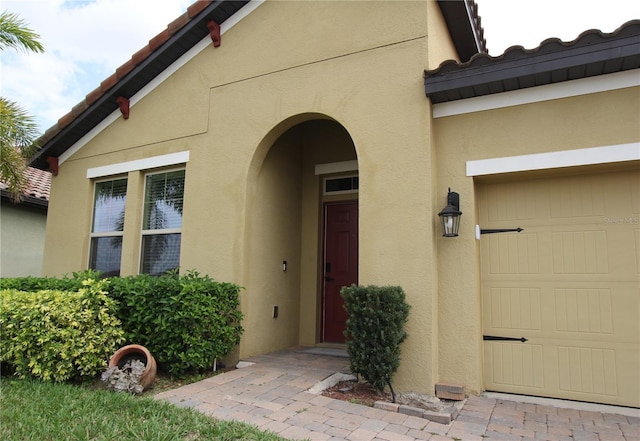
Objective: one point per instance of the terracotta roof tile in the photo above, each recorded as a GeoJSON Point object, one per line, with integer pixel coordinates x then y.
{"type": "Point", "coordinates": [197, 8]}
{"type": "Point", "coordinates": [178, 23]}
{"type": "Point", "coordinates": [159, 40]}
{"type": "Point", "coordinates": [80, 107]}
{"type": "Point", "coordinates": [93, 96]}
{"type": "Point", "coordinates": [66, 120]}
{"type": "Point", "coordinates": [39, 184]}
{"type": "Point", "coordinates": [124, 69]}
{"type": "Point", "coordinates": [109, 82]}
{"type": "Point", "coordinates": [50, 133]}
{"type": "Point", "coordinates": [141, 55]}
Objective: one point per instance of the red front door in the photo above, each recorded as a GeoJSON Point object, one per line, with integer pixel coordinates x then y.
{"type": "Point", "coordinates": [340, 265]}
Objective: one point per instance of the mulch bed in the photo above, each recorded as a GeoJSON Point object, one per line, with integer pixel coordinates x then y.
{"type": "Point", "coordinates": [356, 392]}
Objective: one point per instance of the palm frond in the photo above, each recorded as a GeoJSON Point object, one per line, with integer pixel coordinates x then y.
{"type": "Point", "coordinates": [15, 34]}
{"type": "Point", "coordinates": [17, 132]}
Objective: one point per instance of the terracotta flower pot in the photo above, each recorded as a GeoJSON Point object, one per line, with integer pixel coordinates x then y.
{"type": "Point", "coordinates": [136, 352]}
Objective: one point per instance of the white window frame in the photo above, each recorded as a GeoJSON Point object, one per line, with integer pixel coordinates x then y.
{"type": "Point", "coordinates": [156, 232]}
{"type": "Point", "coordinates": [92, 234]}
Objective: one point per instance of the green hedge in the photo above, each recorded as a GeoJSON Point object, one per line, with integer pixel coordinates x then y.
{"type": "Point", "coordinates": [185, 321]}
{"type": "Point", "coordinates": [58, 335]}
{"type": "Point", "coordinates": [34, 284]}
{"type": "Point", "coordinates": [374, 331]}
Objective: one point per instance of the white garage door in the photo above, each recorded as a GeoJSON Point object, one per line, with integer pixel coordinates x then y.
{"type": "Point", "coordinates": [569, 284]}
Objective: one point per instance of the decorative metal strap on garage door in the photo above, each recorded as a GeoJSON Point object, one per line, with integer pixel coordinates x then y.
{"type": "Point", "coordinates": [502, 230]}
{"type": "Point", "coordinates": [493, 338]}
{"type": "Point", "coordinates": [496, 230]}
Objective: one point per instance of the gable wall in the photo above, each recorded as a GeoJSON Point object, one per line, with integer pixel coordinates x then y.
{"type": "Point", "coordinates": [441, 45]}
{"type": "Point", "coordinates": [358, 63]}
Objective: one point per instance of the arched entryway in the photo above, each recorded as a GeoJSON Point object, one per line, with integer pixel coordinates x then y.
{"type": "Point", "coordinates": [298, 177]}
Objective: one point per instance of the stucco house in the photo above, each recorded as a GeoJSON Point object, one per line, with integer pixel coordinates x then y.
{"type": "Point", "coordinates": [22, 226]}
{"type": "Point", "coordinates": [297, 147]}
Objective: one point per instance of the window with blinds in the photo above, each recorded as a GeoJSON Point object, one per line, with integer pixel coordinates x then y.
{"type": "Point", "coordinates": [162, 222]}
{"type": "Point", "coordinates": [107, 226]}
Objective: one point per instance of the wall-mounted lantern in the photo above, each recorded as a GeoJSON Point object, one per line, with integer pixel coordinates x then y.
{"type": "Point", "coordinates": [450, 215]}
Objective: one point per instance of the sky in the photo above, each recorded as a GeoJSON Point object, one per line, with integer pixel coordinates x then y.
{"type": "Point", "coordinates": [86, 40]}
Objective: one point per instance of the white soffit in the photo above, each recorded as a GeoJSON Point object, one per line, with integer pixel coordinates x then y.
{"type": "Point", "coordinates": [563, 158]}
{"type": "Point", "coordinates": [139, 164]}
{"type": "Point", "coordinates": [184, 59]}
{"type": "Point", "coordinates": [566, 89]}
{"type": "Point", "coordinates": [336, 167]}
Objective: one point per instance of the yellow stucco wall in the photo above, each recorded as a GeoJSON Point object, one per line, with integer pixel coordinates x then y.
{"type": "Point", "coordinates": [296, 84]}
{"type": "Point", "coordinates": [252, 198]}
{"type": "Point", "coordinates": [260, 112]}
{"type": "Point", "coordinates": [594, 120]}
{"type": "Point", "coordinates": [441, 47]}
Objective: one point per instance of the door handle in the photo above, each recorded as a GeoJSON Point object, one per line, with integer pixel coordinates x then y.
{"type": "Point", "coordinates": [328, 279]}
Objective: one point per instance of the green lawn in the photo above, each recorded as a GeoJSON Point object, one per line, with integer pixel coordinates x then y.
{"type": "Point", "coordinates": [33, 410]}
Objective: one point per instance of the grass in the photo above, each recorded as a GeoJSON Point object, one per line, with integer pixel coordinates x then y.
{"type": "Point", "coordinates": [33, 410]}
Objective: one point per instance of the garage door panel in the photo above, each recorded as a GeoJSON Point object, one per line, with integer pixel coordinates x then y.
{"type": "Point", "coordinates": [515, 366]}
{"type": "Point", "coordinates": [597, 315]}
{"type": "Point", "coordinates": [587, 370]}
{"type": "Point", "coordinates": [581, 196]}
{"type": "Point", "coordinates": [514, 309]}
{"type": "Point", "coordinates": [580, 252]}
{"type": "Point", "coordinates": [573, 372]}
{"type": "Point", "coordinates": [567, 312]}
{"type": "Point", "coordinates": [513, 202]}
{"type": "Point", "coordinates": [513, 254]}
{"type": "Point", "coordinates": [583, 310]}
{"type": "Point", "coordinates": [569, 284]}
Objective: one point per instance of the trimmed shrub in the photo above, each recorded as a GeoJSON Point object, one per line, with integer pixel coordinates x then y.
{"type": "Point", "coordinates": [186, 322]}
{"type": "Point", "coordinates": [374, 331]}
{"type": "Point", "coordinates": [58, 335]}
{"type": "Point", "coordinates": [66, 283]}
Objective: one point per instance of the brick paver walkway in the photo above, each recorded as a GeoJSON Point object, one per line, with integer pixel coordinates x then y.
{"type": "Point", "coordinates": [272, 394]}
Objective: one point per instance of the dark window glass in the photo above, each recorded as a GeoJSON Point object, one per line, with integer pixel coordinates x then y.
{"type": "Point", "coordinates": [160, 253]}
{"type": "Point", "coordinates": [163, 201]}
{"type": "Point", "coordinates": [106, 253]}
{"type": "Point", "coordinates": [341, 184]}
{"type": "Point", "coordinates": [108, 209]}
{"type": "Point", "coordinates": [108, 223]}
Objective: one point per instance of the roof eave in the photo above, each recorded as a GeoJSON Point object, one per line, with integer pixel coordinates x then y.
{"type": "Point", "coordinates": [27, 201]}
{"type": "Point", "coordinates": [84, 116]}
{"type": "Point", "coordinates": [484, 74]}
